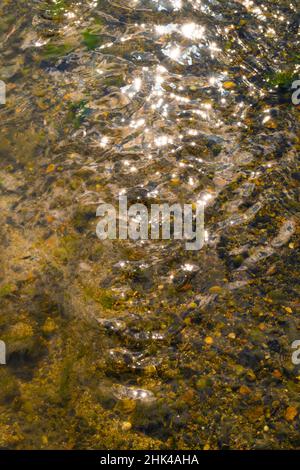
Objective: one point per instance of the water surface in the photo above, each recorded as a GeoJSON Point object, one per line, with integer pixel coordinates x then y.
{"type": "Point", "coordinates": [144, 345]}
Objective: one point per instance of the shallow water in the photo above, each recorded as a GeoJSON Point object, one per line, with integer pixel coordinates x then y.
{"type": "Point", "coordinates": [140, 345]}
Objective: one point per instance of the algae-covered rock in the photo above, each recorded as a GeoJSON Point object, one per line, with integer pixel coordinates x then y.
{"type": "Point", "coordinates": [23, 346]}
{"type": "Point", "coordinates": [49, 326]}
{"type": "Point", "coordinates": [9, 388]}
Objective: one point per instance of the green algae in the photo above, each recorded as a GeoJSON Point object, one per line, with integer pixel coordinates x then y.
{"type": "Point", "coordinates": [7, 290]}
{"type": "Point", "coordinates": [101, 296]}
{"type": "Point", "coordinates": [282, 79]}
{"type": "Point", "coordinates": [52, 51]}
{"type": "Point", "coordinates": [91, 40]}
{"type": "Point", "coordinates": [55, 10]}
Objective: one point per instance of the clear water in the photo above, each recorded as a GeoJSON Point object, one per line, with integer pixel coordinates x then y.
{"type": "Point", "coordinates": [140, 345]}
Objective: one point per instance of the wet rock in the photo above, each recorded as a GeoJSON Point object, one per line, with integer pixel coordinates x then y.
{"type": "Point", "coordinates": [182, 278]}
{"type": "Point", "coordinates": [274, 345]}
{"type": "Point", "coordinates": [138, 195]}
{"type": "Point", "coordinates": [296, 175]}
{"type": "Point", "coordinates": [137, 394]}
{"type": "Point", "coordinates": [250, 358]}
{"type": "Point", "coordinates": [113, 325]}
{"type": "Point", "coordinates": [9, 388]}
{"type": "Point", "coordinates": [126, 426]}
